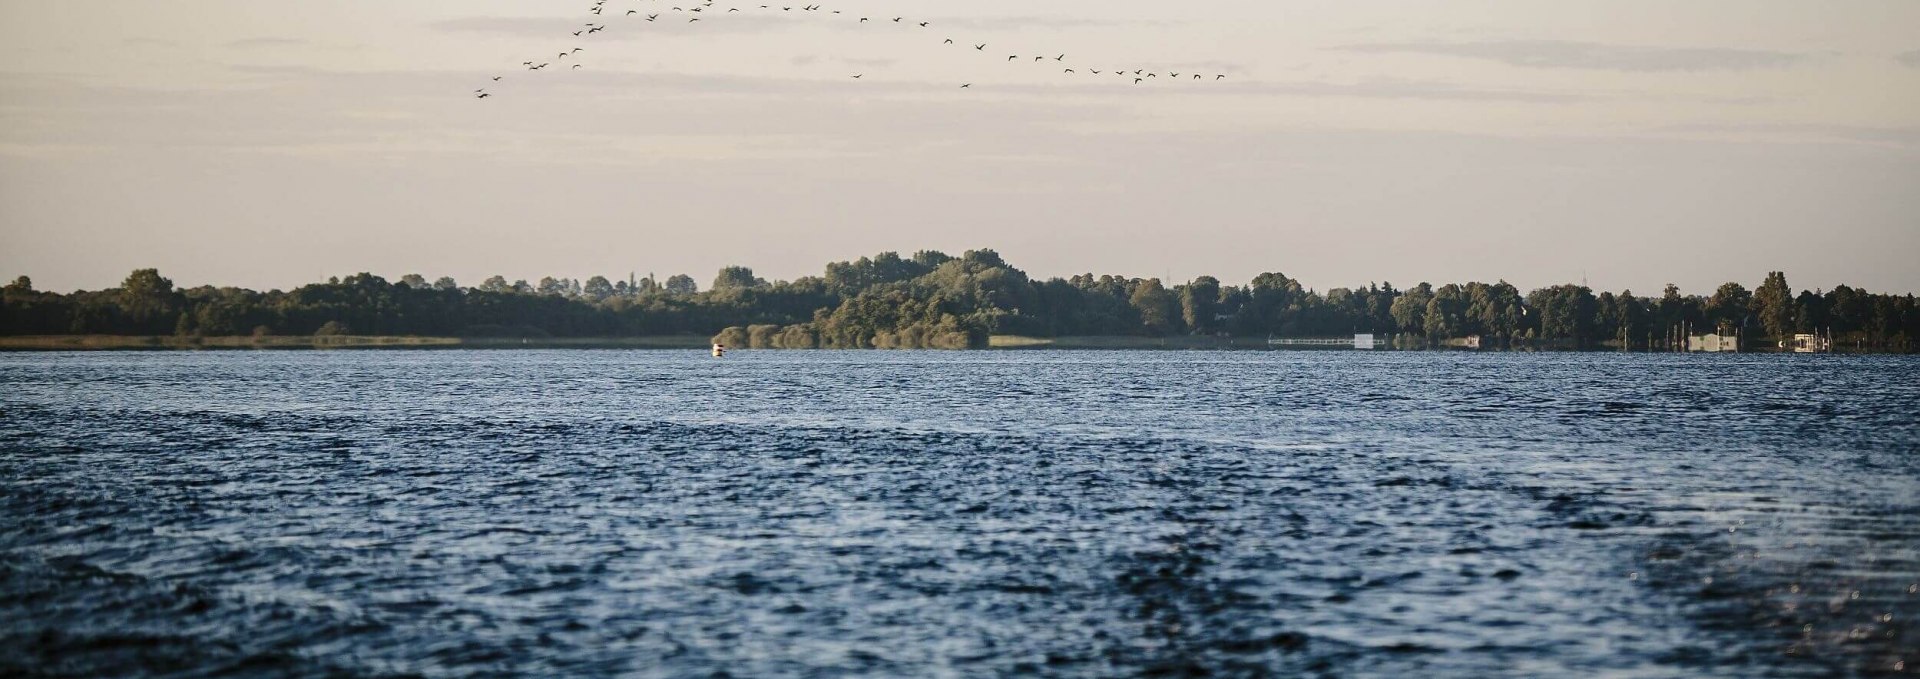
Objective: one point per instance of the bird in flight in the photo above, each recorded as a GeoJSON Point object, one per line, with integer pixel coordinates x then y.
{"type": "Point", "coordinates": [1140, 76]}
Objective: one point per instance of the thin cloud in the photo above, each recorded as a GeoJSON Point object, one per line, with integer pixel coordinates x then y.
{"type": "Point", "coordinates": [1372, 89]}
{"type": "Point", "coordinates": [676, 23]}
{"type": "Point", "coordinates": [1892, 137]}
{"type": "Point", "coordinates": [1017, 23]}
{"type": "Point", "coordinates": [1594, 56]}
{"type": "Point", "coordinates": [623, 28]}
{"type": "Point", "coordinates": [1416, 89]}
{"type": "Point", "coordinates": [258, 43]}
{"type": "Point", "coordinates": [149, 42]}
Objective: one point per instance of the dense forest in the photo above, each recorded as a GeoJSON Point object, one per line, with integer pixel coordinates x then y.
{"type": "Point", "coordinates": [935, 300]}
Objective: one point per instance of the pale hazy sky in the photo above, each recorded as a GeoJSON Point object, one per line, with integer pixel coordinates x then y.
{"type": "Point", "coordinates": [1629, 142]}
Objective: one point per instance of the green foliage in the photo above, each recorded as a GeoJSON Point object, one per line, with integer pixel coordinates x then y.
{"type": "Point", "coordinates": [933, 300]}
{"type": "Point", "coordinates": [598, 288]}
{"type": "Point", "coordinates": [1773, 303]}
{"type": "Point", "coordinates": [761, 336]}
{"type": "Point", "coordinates": [1156, 307]}
{"type": "Point", "coordinates": [1199, 305]}
{"type": "Point", "coordinates": [732, 337]}
{"type": "Point", "coordinates": [1727, 309]}
{"type": "Point", "coordinates": [735, 278]}
{"type": "Point", "coordinates": [1563, 312]}
{"type": "Point", "coordinates": [332, 329]}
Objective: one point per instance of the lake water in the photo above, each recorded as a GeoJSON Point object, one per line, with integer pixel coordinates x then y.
{"type": "Point", "coordinates": [658, 513]}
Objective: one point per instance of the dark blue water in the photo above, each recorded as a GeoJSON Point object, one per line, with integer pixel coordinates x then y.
{"type": "Point", "coordinates": [452, 513]}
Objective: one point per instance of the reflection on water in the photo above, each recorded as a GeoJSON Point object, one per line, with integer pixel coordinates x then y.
{"type": "Point", "coordinates": [1060, 513]}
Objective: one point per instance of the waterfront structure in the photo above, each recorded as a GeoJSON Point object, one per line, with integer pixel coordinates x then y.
{"type": "Point", "coordinates": [1713, 343]}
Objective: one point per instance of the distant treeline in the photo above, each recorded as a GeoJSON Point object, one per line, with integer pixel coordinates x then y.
{"type": "Point", "coordinates": [938, 301]}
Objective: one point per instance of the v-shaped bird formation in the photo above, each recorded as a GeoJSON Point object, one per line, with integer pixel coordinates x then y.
{"type": "Point", "coordinates": [695, 11]}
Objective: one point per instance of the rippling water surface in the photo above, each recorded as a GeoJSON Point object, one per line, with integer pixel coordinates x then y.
{"type": "Point", "coordinates": [958, 514]}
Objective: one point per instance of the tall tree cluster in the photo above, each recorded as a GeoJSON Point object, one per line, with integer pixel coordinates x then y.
{"type": "Point", "coordinates": [932, 299]}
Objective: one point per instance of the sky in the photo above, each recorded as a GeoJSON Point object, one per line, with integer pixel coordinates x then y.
{"type": "Point", "coordinates": [1624, 143]}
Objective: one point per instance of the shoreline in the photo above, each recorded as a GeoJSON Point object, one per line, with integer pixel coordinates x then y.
{"type": "Point", "coordinates": [30, 343]}
{"type": "Point", "coordinates": [48, 343]}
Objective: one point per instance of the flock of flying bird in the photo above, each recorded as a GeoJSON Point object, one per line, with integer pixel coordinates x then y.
{"type": "Point", "coordinates": [705, 8]}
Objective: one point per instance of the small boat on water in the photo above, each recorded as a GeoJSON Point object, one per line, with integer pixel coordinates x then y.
{"type": "Point", "coordinates": [719, 350]}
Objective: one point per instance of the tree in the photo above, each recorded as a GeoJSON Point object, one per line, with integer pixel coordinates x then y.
{"type": "Point", "coordinates": [1199, 303]}
{"type": "Point", "coordinates": [1727, 309]}
{"type": "Point", "coordinates": [681, 285]}
{"type": "Point", "coordinates": [1809, 312]}
{"type": "Point", "coordinates": [146, 298]}
{"type": "Point", "coordinates": [985, 258]}
{"type": "Point", "coordinates": [414, 281]}
{"type": "Point", "coordinates": [932, 300]}
{"type": "Point", "coordinates": [332, 329]}
{"type": "Point", "coordinates": [1773, 303]}
{"type": "Point", "coordinates": [1445, 313]}
{"type": "Point", "coordinates": [1629, 317]}
{"type": "Point", "coordinates": [1410, 310]}
{"type": "Point", "coordinates": [733, 337]}
{"type": "Point", "coordinates": [1676, 309]}
{"type": "Point", "coordinates": [599, 288]}
{"type": "Point", "coordinates": [1566, 312]}
{"type": "Point", "coordinates": [1156, 307]}
{"type": "Point", "coordinates": [735, 278]}
{"type": "Point", "coordinates": [929, 259]}
{"type": "Point", "coordinates": [146, 284]}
